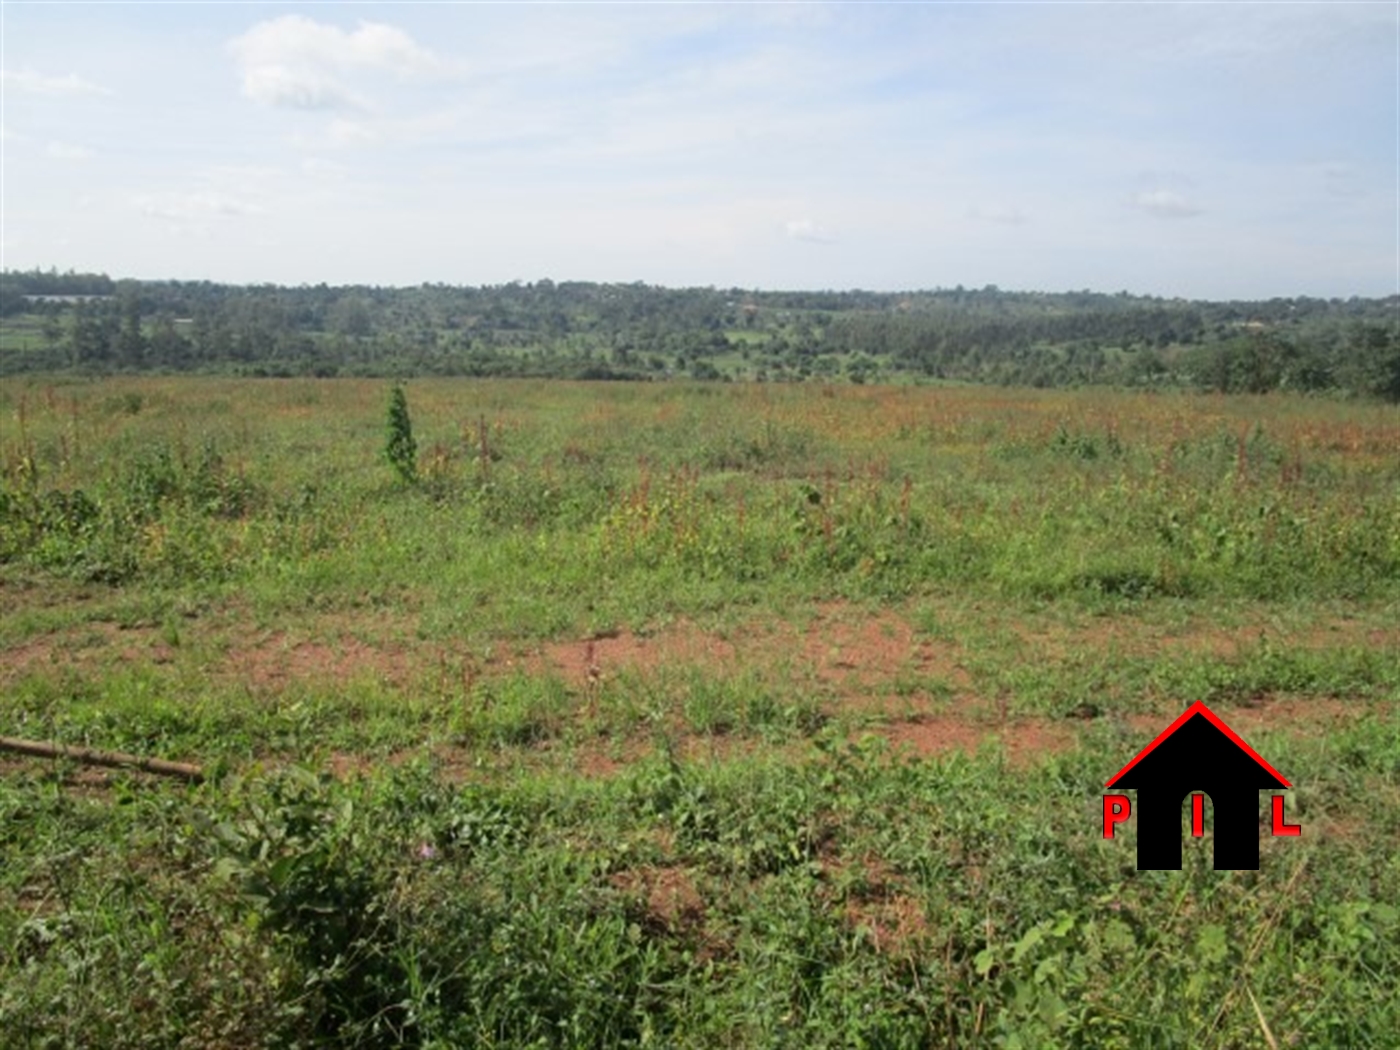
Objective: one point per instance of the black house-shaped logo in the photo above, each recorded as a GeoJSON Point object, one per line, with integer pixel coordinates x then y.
{"type": "Point", "coordinates": [1199, 753]}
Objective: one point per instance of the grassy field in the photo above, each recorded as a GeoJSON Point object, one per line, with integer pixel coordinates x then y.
{"type": "Point", "coordinates": [687, 715]}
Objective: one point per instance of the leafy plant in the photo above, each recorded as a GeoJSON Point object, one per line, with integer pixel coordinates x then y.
{"type": "Point", "coordinates": [399, 447]}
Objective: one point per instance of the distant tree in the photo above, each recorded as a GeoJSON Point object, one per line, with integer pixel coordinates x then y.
{"type": "Point", "coordinates": [52, 329]}
{"type": "Point", "coordinates": [12, 300]}
{"type": "Point", "coordinates": [350, 316]}
{"type": "Point", "coordinates": [1376, 349]}
{"type": "Point", "coordinates": [168, 348]}
{"type": "Point", "coordinates": [88, 337]}
{"type": "Point", "coordinates": [131, 344]}
{"type": "Point", "coordinates": [704, 370]}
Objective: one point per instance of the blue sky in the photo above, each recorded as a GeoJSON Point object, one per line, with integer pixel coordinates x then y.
{"type": "Point", "coordinates": [1212, 150]}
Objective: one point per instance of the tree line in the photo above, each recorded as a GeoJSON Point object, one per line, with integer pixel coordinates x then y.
{"type": "Point", "coordinates": [85, 322]}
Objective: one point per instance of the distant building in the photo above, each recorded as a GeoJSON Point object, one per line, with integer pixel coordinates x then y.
{"type": "Point", "coordinates": [64, 298]}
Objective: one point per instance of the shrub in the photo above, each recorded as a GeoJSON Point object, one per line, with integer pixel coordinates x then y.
{"type": "Point", "coordinates": [400, 449]}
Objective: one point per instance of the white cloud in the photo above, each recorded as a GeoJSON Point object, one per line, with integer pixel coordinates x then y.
{"type": "Point", "coordinates": [1164, 204]}
{"type": "Point", "coordinates": [297, 89]}
{"type": "Point", "coordinates": [31, 83]}
{"type": "Point", "coordinates": [68, 151]}
{"type": "Point", "coordinates": [295, 40]}
{"type": "Point", "coordinates": [807, 230]}
{"type": "Point", "coordinates": [184, 207]}
{"type": "Point", "coordinates": [298, 63]}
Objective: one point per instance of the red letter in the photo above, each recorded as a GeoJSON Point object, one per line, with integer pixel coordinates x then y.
{"type": "Point", "coordinates": [1280, 828]}
{"type": "Point", "coordinates": [1198, 816]}
{"type": "Point", "coordinates": [1116, 809]}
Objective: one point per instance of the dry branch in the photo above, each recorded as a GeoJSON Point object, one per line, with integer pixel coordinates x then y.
{"type": "Point", "coordinates": [92, 757]}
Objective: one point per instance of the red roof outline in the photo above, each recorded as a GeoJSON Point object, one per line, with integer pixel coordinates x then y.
{"type": "Point", "coordinates": [1199, 708]}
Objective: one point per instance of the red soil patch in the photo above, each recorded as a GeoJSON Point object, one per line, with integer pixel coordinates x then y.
{"type": "Point", "coordinates": [878, 901]}
{"type": "Point", "coordinates": [1027, 739]}
{"type": "Point", "coordinates": [850, 659]}
{"type": "Point", "coordinates": [82, 647]}
{"type": "Point", "coordinates": [856, 657]}
{"type": "Point", "coordinates": [1296, 713]}
{"type": "Point", "coordinates": [1209, 639]}
{"type": "Point", "coordinates": [671, 898]}
{"type": "Point", "coordinates": [595, 763]}
{"type": "Point", "coordinates": [344, 765]}
{"type": "Point", "coordinates": [896, 923]}
{"type": "Point", "coordinates": [587, 660]}
{"type": "Point", "coordinates": [873, 651]}
{"type": "Point", "coordinates": [278, 660]}
{"type": "Point", "coordinates": [328, 651]}
{"type": "Point", "coordinates": [1024, 739]}
{"type": "Point", "coordinates": [20, 660]}
{"type": "Point", "coordinates": [842, 654]}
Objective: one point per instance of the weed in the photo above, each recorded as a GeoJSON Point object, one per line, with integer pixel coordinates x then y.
{"type": "Point", "coordinates": [400, 449]}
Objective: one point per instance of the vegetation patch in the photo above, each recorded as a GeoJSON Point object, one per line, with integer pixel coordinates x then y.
{"type": "Point", "coordinates": [688, 714]}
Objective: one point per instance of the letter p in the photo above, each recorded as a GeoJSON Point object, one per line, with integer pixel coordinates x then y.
{"type": "Point", "coordinates": [1116, 809]}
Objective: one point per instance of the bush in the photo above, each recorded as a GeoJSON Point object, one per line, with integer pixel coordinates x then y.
{"type": "Point", "coordinates": [400, 449]}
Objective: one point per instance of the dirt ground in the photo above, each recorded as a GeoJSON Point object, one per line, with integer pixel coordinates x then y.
{"type": "Point", "coordinates": [878, 664]}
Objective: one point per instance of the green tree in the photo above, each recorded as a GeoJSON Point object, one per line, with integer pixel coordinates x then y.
{"type": "Point", "coordinates": [88, 337]}
{"type": "Point", "coordinates": [400, 449]}
{"type": "Point", "coordinates": [52, 329]}
{"type": "Point", "coordinates": [167, 346]}
{"type": "Point", "coordinates": [131, 343]}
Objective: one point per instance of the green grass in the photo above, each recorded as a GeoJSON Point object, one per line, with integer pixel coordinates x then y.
{"type": "Point", "coordinates": [429, 821]}
{"type": "Point", "coordinates": [398, 908]}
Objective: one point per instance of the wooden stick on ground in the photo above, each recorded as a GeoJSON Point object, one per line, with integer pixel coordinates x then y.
{"type": "Point", "coordinates": [112, 759]}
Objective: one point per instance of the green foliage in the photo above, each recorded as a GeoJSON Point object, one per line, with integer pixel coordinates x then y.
{"type": "Point", "coordinates": [587, 331]}
{"type": "Point", "coordinates": [306, 870]}
{"type": "Point", "coordinates": [552, 824]}
{"type": "Point", "coordinates": [399, 447]}
{"type": "Point", "coordinates": [738, 486]}
{"type": "Point", "coordinates": [291, 909]}
{"type": "Point", "coordinates": [156, 513]}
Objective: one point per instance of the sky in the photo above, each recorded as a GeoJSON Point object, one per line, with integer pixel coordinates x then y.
{"type": "Point", "coordinates": [1207, 150]}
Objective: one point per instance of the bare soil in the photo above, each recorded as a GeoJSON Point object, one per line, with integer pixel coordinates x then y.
{"type": "Point", "coordinates": [877, 663]}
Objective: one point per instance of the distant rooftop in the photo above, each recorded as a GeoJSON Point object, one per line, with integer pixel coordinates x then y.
{"type": "Point", "coordinates": [64, 298]}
